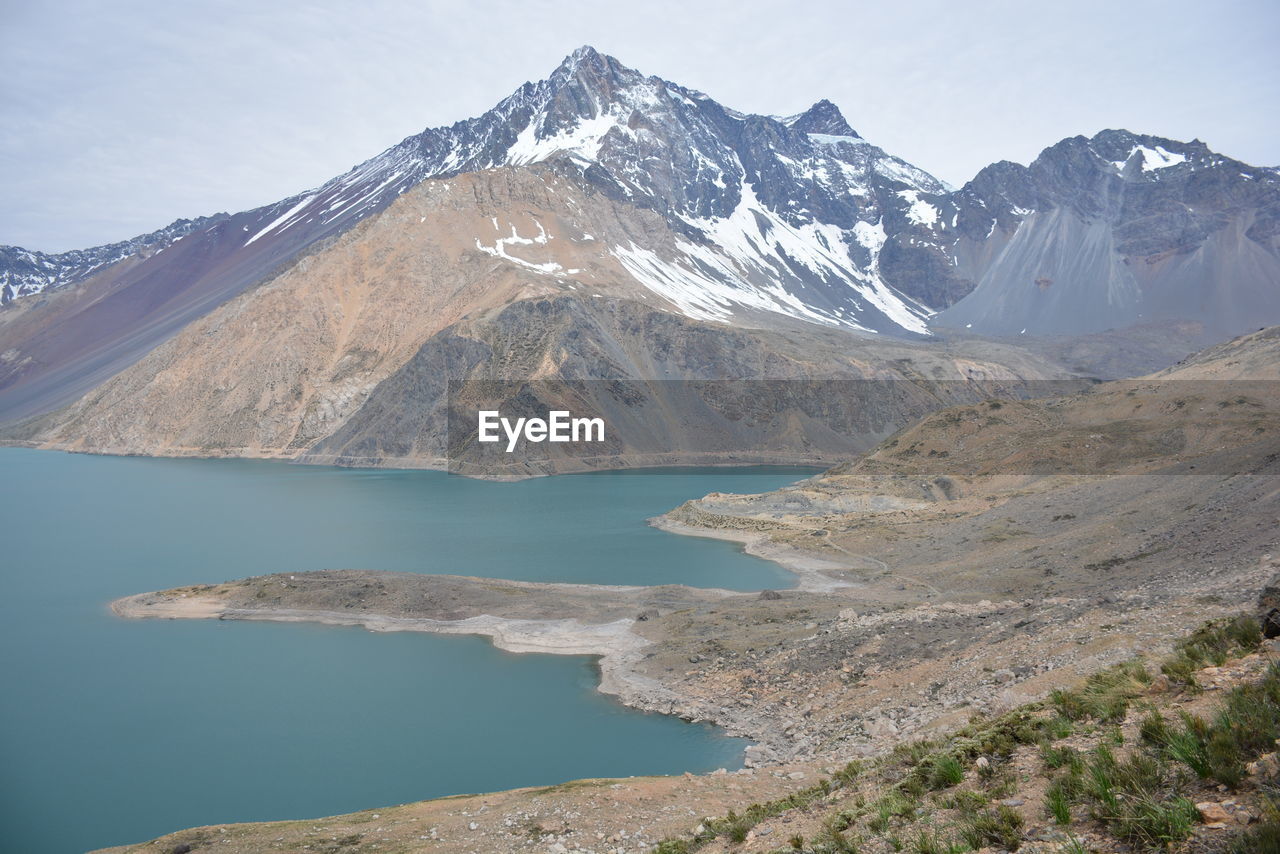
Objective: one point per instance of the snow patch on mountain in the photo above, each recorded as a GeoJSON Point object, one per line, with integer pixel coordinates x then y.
{"type": "Point", "coordinates": [499, 249]}
{"type": "Point", "coordinates": [282, 219]}
{"type": "Point", "coordinates": [870, 237]}
{"type": "Point", "coordinates": [920, 212]}
{"type": "Point", "coordinates": [1152, 158]}
{"type": "Point", "coordinates": [710, 290]}
{"type": "Point", "coordinates": [581, 142]}
{"type": "Point", "coordinates": [756, 258]}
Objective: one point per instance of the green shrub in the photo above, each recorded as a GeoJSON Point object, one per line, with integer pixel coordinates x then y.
{"type": "Point", "coordinates": [946, 771]}
{"type": "Point", "coordinates": [937, 771]}
{"type": "Point", "coordinates": [832, 841]}
{"type": "Point", "coordinates": [1154, 729]}
{"type": "Point", "coordinates": [1001, 826]}
{"type": "Point", "coordinates": [1212, 644]}
{"type": "Point", "coordinates": [891, 806]}
{"type": "Point", "coordinates": [1058, 804]}
{"type": "Point", "coordinates": [1133, 799]}
{"type": "Point", "coordinates": [1246, 726]}
{"type": "Point", "coordinates": [931, 842]}
{"type": "Point", "coordinates": [965, 801]}
{"type": "Point", "coordinates": [672, 846]}
{"type": "Point", "coordinates": [1106, 695]}
{"type": "Point", "coordinates": [1155, 823]}
{"type": "Point", "coordinates": [1057, 757]}
{"type": "Point", "coordinates": [1263, 837]}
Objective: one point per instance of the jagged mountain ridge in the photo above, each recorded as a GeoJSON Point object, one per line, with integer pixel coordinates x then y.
{"type": "Point", "coordinates": [788, 262]}
{"type": "Point", "coordinates": [781, 215]}
{"type": "Point", "coordinates": [1121, 228]}
{"type": "Point", "coordinates": [24, 272]}
{"type": "Point", "coordinates": [808, 171]}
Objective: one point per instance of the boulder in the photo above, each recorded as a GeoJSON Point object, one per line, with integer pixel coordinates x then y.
{"type": "Point", "coordinates": [1213, 815]}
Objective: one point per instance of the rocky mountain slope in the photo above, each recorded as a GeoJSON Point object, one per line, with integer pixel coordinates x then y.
{"type": "Point", "coordinates": [1116, 230]}
{"type": "Point", "coordinates": [501, 274]}
{"type": "Point", "coordinates": [24, 272]}
{"type": "Point", "coordinates": [795, 250]}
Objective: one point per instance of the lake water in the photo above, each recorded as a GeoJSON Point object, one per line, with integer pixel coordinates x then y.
{"type": "Point", "coordinates": [114, 731]}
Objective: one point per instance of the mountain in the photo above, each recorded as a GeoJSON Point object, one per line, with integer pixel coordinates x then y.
{"type": "Point", "coordinates": [1116, 230]}
{"type": "Point", "coordinates": [768, 218]}
{"type": "Point", "coordinates": [24, 272]}
{"type": "Point", "coordinates": [346, 356]}
{"type": "Point", "coordinates": [606, 224]}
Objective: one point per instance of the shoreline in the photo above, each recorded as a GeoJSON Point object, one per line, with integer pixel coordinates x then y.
{"type": "Point", "coordinates": [810, 571]}
{"type": "Point", "coordinates": [618, 649]}
{"type": "Point", "coordinates": [613, 643]}
{"type": "Point", "coordinates": [652, 462]}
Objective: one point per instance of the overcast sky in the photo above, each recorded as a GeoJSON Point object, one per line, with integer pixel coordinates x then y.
{"type": "Point", "coordinates": [117, 118]}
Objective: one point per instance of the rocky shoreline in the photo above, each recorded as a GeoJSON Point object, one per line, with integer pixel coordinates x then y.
{"type": "Point", "coordinates": [597, 631]}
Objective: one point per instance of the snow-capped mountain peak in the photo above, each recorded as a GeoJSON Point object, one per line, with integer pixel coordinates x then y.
{"type": "Point", "coordinates": [809, 181]}
{"type": "Point", "coordinates": [772, 214]}
{"type": "Point", "coordinates": [823, 118]}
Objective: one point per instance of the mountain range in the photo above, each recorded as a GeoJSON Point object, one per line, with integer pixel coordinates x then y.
{"type": "Point", "coordinates": [604, 224]}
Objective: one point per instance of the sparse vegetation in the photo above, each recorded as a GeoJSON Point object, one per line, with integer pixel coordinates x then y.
{"type": "Point", "coordinates": [1058, 804]}
{"type": "Point", "coordinates": [1001, 826]}
{"type": "Point", "coordinates": [1106, 695]}
{"type": "Point", "coordinates": [949, 796]}
{"type": "Point", "coordinates": [1212, 644]}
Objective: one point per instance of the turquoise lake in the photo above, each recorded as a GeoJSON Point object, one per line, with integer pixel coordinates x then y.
{"type": "Point", "coordinates": [114, 731]}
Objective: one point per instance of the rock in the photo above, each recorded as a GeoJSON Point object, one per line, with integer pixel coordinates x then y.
{"type": "Point", "coordinates": [774, 594]}
{"type": "Point", "coordinates": [881, 728]}
{"type": "Point", "coordinates": [1013, 802]}
{"type": "Point", "coordinates": [982, 762]}
{"type": "Point", "coordinates": [647, 614]}
{"type": "Point", "coordinates": [1269, 598]}
{"type": "Point", "coordinates": [796, 775]}
{"type": "Point", "coordinates": [1267, 766]}
{"type": "Point", "coordinates": [1269, 608]}
{"type": "Point", "coordinates": [1212, 814]}
{"type": "Point", "coordinates": [551, 826]}
{"type": "Point", "coordinates": [1271, 623]}
{"type": "Point", "coordinates": [1004, 675]}
{"type": "Point", "coordinates": [472, 826]}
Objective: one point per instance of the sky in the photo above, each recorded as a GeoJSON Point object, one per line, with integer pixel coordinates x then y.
{"type": "Point", "coordinates": [117, 118]}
